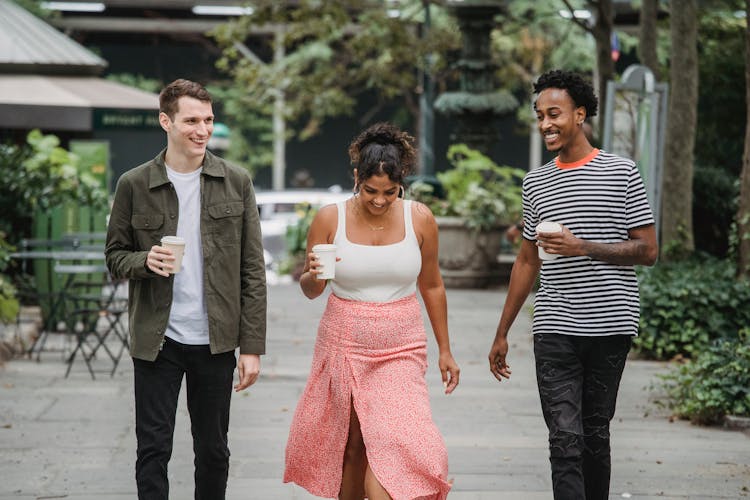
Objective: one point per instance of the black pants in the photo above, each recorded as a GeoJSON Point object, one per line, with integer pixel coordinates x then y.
{"type": "Point", "coordinates": [578, 379]}
{"type": "Point", "coordinates": [209, 390]}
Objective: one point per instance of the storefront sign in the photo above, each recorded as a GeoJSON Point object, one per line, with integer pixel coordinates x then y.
{"type": "Point", "coordinates": [125, 118]}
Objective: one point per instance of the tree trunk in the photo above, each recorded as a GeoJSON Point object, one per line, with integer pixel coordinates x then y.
{"type": "Point", "coordinates": [603, 36]}
{"type": "Point", "coordinates": [743, 212]}
{"type": "Point", "coordinates": [279, 122]}
{"type": "Point", "coordinates": [647, 36]}
{"type": "Point", "coordinates": [602, 32]}
{"type": "Point", "coordinates": [677, 213]}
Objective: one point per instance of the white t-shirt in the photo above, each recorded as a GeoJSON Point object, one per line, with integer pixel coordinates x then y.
{"type": "Point", "coordinates": [599, 199]}
{"type": "Point", "coordinates": [188, 318]}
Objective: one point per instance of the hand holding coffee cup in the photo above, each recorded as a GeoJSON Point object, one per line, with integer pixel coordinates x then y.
{"type": "Point", "coordinates": [547, 227]}
{"type": "Point", "coordinates": [167, 258]}
{"type": "Point", "coordinates": [325, 255]}
{"type": "Point", "coordinates": [159, 260]}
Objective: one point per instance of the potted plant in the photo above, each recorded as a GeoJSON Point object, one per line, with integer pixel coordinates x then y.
{"type": "Point", "coordinates": [480, 200]}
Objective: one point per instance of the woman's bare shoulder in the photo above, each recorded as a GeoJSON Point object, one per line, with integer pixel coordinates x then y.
{"type": "Point", "coordinates": [328, 210]}
{"type": "Point", "coordinates": [422, 213]}
{"type": "Point", "coordinates": [327, 216]}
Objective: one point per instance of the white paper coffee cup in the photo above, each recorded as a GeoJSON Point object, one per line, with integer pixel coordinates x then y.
{"type": "Point", "coordinates": [327, 256]}
{"type": "Point", "coordinates": [548, 227]}
{"type": "Point", "coordinates": [177, 245]}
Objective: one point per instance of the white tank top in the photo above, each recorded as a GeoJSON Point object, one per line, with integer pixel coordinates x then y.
{"type": "Point", "coordinates": [376, 273]}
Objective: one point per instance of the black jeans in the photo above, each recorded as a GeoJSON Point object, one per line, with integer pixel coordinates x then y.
{"type": "Point", "coordinates": [209, 390]}
{"type": "Point", "coordinates": [578, 379]}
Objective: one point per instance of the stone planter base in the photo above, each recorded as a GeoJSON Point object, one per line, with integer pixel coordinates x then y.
{"type": "Point", "coordinates": [737, 423]}
{"type": "Point", "coordinates": [471, 259]}
{"type": "Point", "coordinates": [471, 279]}
{"type": "Point", "coordinates": [17, 337]}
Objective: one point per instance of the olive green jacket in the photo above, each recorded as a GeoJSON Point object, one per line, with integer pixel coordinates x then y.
{"type": "Point", "coordinates": [145, 208]}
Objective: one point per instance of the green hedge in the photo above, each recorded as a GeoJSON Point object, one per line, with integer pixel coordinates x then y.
{"type": "Point", "coordinates": [8, 302]}
{"type": "Point", "coordinates": [687, 305]}
{"type": "Point", "coordinates": [714, 384]}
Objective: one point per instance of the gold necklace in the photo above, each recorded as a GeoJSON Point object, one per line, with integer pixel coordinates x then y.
{"type": "Point", "coordinates": [355, 204]}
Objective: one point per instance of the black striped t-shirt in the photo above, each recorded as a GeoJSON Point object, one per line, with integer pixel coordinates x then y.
{"type": "Point", "coordinates": [599, 200]}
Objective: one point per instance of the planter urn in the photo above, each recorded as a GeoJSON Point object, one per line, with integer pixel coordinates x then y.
{"type": "Point", "coordinates": [470, 258]}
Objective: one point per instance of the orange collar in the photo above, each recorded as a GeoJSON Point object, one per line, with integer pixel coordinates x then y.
{"type": "Point", "coordinates": [579, 163]}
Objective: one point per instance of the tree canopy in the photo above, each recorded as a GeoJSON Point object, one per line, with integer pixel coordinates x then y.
{"type": "Point", "coordinates": [333, 52]}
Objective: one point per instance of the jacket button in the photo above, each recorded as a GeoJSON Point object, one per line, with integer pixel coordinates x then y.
{"type": "Point", "coordinates": [171, 216]}
{"type": "Point", "coordinates": [147, 224]}
{"type": "Point", "coordinates": [227, 211]}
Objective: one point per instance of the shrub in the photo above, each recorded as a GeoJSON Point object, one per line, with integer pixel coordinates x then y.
{"type": "Point", "coordinates": [8, 302]}
{"type": "Point", "coordinates": [41, 175]}
{"type": "Point", "coordinates": [296, 240]}
{"type": "Point", "coordinates": [37, 176]}
{"type": "Point", "coordinates": [714, 384]}
{"type": "Point", "coordinates": [485, 194]}
{"type": "Point", "coordinates": [686, 305]}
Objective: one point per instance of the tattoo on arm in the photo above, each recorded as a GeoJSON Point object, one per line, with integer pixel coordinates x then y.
{"type": "Point", "coordinates": [626, 253]}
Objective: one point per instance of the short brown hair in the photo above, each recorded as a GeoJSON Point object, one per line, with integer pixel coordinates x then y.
{"type": "Point", "coordinates": [170, 94]}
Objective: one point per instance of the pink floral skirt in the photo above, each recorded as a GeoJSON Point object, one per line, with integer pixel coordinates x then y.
{"type": "Point", "coordinates": [374, 356]}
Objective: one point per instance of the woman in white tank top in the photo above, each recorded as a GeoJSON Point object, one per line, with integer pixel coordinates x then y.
{"type": "Point", "coordinates": [366, 404]}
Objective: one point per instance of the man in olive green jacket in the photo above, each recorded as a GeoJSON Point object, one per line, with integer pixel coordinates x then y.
{"type": "Point", "coordinates": [188, 323]}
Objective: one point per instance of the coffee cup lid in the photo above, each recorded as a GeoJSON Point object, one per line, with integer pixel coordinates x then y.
{"type": "Point", "coordinates": [324, 247]}
{"type": "Point", "coordinates": [175, 240]}
{"type": "Point", "coordinates": [548, 227]}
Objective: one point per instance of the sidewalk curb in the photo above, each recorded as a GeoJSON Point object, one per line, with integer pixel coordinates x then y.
{"type": "Point", "coordinates": [736, 423]}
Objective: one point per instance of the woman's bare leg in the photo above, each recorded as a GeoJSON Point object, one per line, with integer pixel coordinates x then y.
{"type": "Point", "coordinates": [373, 488]}
{"type": "Point", "coordinates": [355, 462]}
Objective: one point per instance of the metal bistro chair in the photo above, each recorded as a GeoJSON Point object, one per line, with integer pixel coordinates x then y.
{"type": "Point", "coordinates": [46, 288]}
{"type": "Point", "coordinates": [97, 306]}
{"type": "Point", "coordinates": [29, 248]}
{"type": "Point", "coordinates": [87, 241]}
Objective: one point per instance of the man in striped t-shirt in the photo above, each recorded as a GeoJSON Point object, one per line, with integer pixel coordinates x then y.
{"type": "Point", "coordinates": [586, 309]}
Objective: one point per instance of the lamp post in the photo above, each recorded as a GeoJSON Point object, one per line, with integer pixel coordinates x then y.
{"type": "Point", "coordinates": [426, 116]}
{"type": "Point", "coordinates": [477, 103]}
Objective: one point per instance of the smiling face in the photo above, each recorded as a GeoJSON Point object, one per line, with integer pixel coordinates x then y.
{"type": "Point", "coordinates": [377, 193]}
{"type": "Point", "coordinates": [559, 120]}
{"type": "Point", "coordinates": [188, 132]}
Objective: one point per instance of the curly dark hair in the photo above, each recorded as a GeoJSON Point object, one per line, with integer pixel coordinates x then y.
{"type": "Point", "coordinates": [577, 88]}
{"type": "Point", "coordinates": [383, 149]}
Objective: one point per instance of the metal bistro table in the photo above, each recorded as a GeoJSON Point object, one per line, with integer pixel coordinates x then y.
{"type": "Point", "coordinates": [56, 299]}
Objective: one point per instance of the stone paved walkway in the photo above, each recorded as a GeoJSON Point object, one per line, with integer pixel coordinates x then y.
{"type": "Point", "coordinates": [73, 438]}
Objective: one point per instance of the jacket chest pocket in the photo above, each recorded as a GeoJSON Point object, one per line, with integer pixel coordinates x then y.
{"type": "Point", "coordinates": [147, 229]}
{"type": "Point", "coordinates": [226, 221]}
